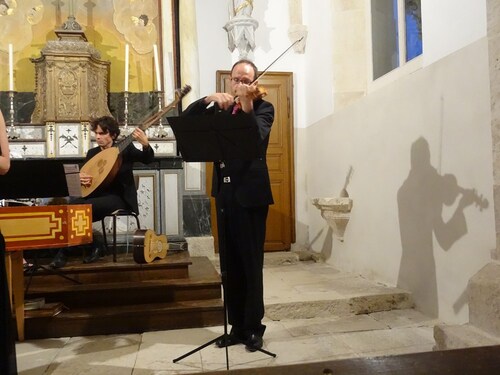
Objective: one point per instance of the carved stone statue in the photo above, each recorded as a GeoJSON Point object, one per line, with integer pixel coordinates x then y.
{"type": "Point", "coordinates": [238, 8]}
{"type": "Point", "coordinates": [241, 27]}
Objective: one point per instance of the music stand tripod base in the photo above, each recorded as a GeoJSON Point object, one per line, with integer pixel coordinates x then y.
{"type": "Point", "coordinates": [224, 335]}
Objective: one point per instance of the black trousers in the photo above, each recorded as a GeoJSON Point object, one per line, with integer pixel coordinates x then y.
{"type": "Point", "coordinates": [102, 205]}
{"type": "Point", "coordinates": [8, 365]}
{"type": "Point", "coordinates": [242, 232]}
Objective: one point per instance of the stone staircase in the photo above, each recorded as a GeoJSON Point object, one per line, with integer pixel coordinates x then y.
{"type": "Point", "coordinates": [343, 296]}
{"type": "Point", "coordinates": [309, 288]}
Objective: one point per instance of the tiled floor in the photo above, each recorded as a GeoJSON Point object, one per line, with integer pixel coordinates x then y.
{"type": "Point", "coordinates": [309, 306]}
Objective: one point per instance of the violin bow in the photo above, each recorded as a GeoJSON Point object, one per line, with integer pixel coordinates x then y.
{"type": "Point", "coordinates": [267, 68]}
{"type": "Point", "coordinates": [276, 59]}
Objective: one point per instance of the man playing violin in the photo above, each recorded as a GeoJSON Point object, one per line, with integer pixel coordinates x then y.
{"type": "Point", "coordinates": [121, 193]}
{"type": "Point", "coordinates": [242, 192]}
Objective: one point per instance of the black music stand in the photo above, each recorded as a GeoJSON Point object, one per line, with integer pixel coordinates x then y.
{"type": "Point", "coordinates": [35, 178]}
{"type": "Point", "coordinates": [216, 137]}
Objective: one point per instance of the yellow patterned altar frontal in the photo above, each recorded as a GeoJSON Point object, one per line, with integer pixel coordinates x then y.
{"type": "Point", "coordinates": [39, 227]}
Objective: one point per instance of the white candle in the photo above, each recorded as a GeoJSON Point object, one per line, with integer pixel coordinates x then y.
{"type": "Point", "coordinates": [11, 68]}
{"type": "Point", "coordinates": [157, 68]}
{"type": "Point", "coordinates": [126, 67]}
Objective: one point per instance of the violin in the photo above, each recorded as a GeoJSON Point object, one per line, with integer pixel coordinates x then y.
{"type": "Point", "coordinates": [258, 93]}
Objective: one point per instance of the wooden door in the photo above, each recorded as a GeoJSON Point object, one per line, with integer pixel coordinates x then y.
{"type": "Point", "coordinates": [280, 232]}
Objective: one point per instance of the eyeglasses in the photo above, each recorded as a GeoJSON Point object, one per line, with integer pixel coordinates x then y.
{"type": "Point", "coordinates": [243, 81]}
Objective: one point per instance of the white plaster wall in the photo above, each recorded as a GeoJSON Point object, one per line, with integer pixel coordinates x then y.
{"type": "Point", "coordinates": [212, 42]}
{"type": "Point", "coordinates": [448, 105]}
{"type": "Point", "coordinates": [449, 25]}
{"type": "Point", "coordinates": [446, 102]}
{"type": "Point", "coordinates": [313, 80]}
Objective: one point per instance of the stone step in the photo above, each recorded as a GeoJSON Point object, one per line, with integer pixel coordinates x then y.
{"type": "Point", "coordinates": [462, 336]}
{"type": "Point", "coordinates": [339, 307]}
{"type": "Point", "coordinates": [307, 287]}
{"type": "Point", "coordinates": [299, 285]}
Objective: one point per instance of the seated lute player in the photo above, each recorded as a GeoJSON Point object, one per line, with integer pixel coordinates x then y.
{"type": "Point", "coordinates": [121, 193]}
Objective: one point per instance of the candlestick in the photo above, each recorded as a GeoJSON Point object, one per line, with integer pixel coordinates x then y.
{"type": "Point", "coordinates": [157, 67]}
{"type": "Point", "coordinates": [71, 12]}
{"type": "Point", "coordinates": [11, 68]}
{"type": "Point", "coordinates": [12, 133]}
{"type": "Point", "coordinates": [126, 67]}
{"type": "Point", "coordinates": [125, 112]}
{"type": "Point", "coordinates": [160, 132]}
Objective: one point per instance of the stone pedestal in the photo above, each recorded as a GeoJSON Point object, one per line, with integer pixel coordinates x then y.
{"type": "Point", "coordinates": [240, 33]}
{"type": "Point", "coordinates": [336, 212]}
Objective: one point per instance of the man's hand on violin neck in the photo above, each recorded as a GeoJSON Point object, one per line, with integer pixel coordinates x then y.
{"type": "Point", "coordinates": [252, 92]}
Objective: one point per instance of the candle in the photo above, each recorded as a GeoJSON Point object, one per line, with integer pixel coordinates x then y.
{"type": "Point", "coordinates": [126, 67]}
{"type": "Point", "coordinates": [157, 68]}
{"type": "Point", "coordinates": [11, 68]}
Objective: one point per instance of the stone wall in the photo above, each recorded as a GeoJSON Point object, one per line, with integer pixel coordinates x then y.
{"type": "Point", "coordinates": [494, 55]}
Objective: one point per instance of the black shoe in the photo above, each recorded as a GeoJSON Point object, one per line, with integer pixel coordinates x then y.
{"type": "Point", "coordinates": [94, 255]}
{"type": "Point", "coordinates": [254, 342]}
{"type": "Point", "coordinates": [228, 340]}
{"type": "Point", "coordinates": [59, 260]}
{"type": "Point", "coordinates": [233, 338]}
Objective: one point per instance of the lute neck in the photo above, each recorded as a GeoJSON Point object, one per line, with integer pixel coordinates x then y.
{"type": "Point", "coordinates": [179, 94]}
{"type": "Point", "coordinates": [123, 144]}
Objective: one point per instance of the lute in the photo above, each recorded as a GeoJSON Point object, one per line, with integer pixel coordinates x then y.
{"type": "Point", "coordinates": [104, 166]}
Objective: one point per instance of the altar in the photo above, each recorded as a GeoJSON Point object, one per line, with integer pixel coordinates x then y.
{"type": "Point", "coordinates": [71, 88]}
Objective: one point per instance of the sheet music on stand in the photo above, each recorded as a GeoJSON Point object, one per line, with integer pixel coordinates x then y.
{"type": "Point", "coordinates": [72, 172]}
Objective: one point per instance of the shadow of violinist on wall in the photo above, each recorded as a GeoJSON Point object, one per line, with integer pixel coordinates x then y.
{"type": "Point", "coordinates": [421, 200]}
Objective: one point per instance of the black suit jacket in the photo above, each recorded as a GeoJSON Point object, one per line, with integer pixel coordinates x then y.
{"type": "Point", "coordinates": [124, 184]}
{"type": "Point", "coordinates": [249, 178]}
